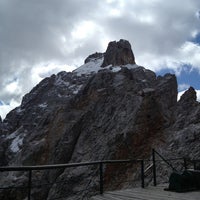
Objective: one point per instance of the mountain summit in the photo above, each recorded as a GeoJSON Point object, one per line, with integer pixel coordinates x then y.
{"type": "Point", "coordinates": [109, 108]}
{"type": "Point", "coordinates": [118, 53]}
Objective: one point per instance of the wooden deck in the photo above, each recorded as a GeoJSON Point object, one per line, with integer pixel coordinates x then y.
{"type": "Point", "coordinates": [149, 193]}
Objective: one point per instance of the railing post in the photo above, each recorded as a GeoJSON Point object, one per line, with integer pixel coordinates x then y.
{"type": "Point", "coordinates": [142, 173]}
{"type": "Point", "coordinates": [154, 167]}
{"type": "Point", "coordinates": [29, 184]}
{"type": "Point", "coordinates": [194, 164]}
{"type": "Point", "coordinates": [101, 177]}
{"type": "Point", "coordinates": [185, 163]}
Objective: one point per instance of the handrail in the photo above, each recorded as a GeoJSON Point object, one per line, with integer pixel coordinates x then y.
{"type": "Point", "coordinates": [169, 164]}
{"type": "Point", "coordinates": [165, 160]}
{"type": "Point", "coordinates": [29, 169]}
{"type": "Point", "coordinates": [68, 165]}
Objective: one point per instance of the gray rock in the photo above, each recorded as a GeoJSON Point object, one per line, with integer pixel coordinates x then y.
{"type": "Point", "coordinates": [189, 96]}
{"type": "Point", "coordinates": [187, 110]}
{"type": "Point", "coordinates": [118, 53]}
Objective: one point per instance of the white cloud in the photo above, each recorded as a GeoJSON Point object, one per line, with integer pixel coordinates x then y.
{"type": "Point", "coordinates": [83, 30]}
{"type": "Point", "coordinates": [180, 94]}
{"type": "Point", "coordinates": [41, 71]}
{"type": "Point", "coordinates": [41, 38]}
{"type": "Point", "coordinates": [198, 95]}
{"type": "Point", "coordinates": [188, 53]}
{"type": "Point", "coordinates": [183, 86]}
{"type": "Point", "coordinates": [5, 108]}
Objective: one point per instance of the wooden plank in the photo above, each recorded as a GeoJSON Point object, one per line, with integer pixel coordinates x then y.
{"type": "Point", "coordinates": [141, 195]}
{"type": "Point", "coordinates": [149, 193]}
{"type": "Point", "coordinates": [114, 197]}
{"type": "Point", "coordinates": [153, 195]}
{"type": "Point", "coordinates": [107, 197]}
{"type": "Point", "coordinates": [183, 196]}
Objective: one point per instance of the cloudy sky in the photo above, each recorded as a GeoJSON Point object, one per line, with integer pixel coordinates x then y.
{"type": "Point", "coordinates": [42, 37]}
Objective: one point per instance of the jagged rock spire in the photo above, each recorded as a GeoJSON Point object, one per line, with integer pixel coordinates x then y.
{"type": "Point", "coordinates": [118, 53]}
{"type": "Point", "coordinates": [189, 95]}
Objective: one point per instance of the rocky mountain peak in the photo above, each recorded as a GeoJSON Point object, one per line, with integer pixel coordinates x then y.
{"type": "Point", "coordinates": [118, 53]}
{"type": "Point", "coordinates": [189, 95]}
{"type": "Point", "coordinates": [92, 114]}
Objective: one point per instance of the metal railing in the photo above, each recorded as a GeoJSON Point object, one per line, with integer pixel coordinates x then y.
{"type": "Point", "coordinates": [101, 164]}
{"type": "Point", "coordinates": [138, 164]}
{"type": "Point", "coordinates": [183, 161]}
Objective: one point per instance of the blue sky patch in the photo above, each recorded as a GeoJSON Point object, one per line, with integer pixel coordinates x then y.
{"type": "Point", "coordinates": [187, 77]}
{"type": "Point", "coordinates": [196, 40]}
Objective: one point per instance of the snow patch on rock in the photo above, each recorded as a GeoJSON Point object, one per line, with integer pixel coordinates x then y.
{"type": "Point", "coordinates": [43, 105]}
{"type": "Point", "coordinates": [16, 144]}
{"type": "Point", "coordinates": [16, 139]}
{"type": "Point", "coordinates": [95, 65]}
{"type": "Point", "coordinates": [91, 67]}
{"type": "Point", "coordinates": [59, 81]}
{"type": "Point", "coordinates": [131, 66]}
{"type": "Point", "coordinates": [12, 135]}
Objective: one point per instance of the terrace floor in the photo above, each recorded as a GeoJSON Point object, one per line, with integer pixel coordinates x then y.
{"type": "Point", "coordinates": [148, 193]}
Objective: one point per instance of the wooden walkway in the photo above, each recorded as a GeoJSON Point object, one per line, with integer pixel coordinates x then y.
{"type": "Point", "coordinates": [149, 193]}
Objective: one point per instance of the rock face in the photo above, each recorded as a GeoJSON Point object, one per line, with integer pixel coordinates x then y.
{"type": "Point", "coordinates": [0, 124]}
{"type": "Point", "coordinates": [78, 117]}
{"type": "Point", "coordinates": [118, 53]}
{"type": "Point", "coordinates": [189, 96]}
